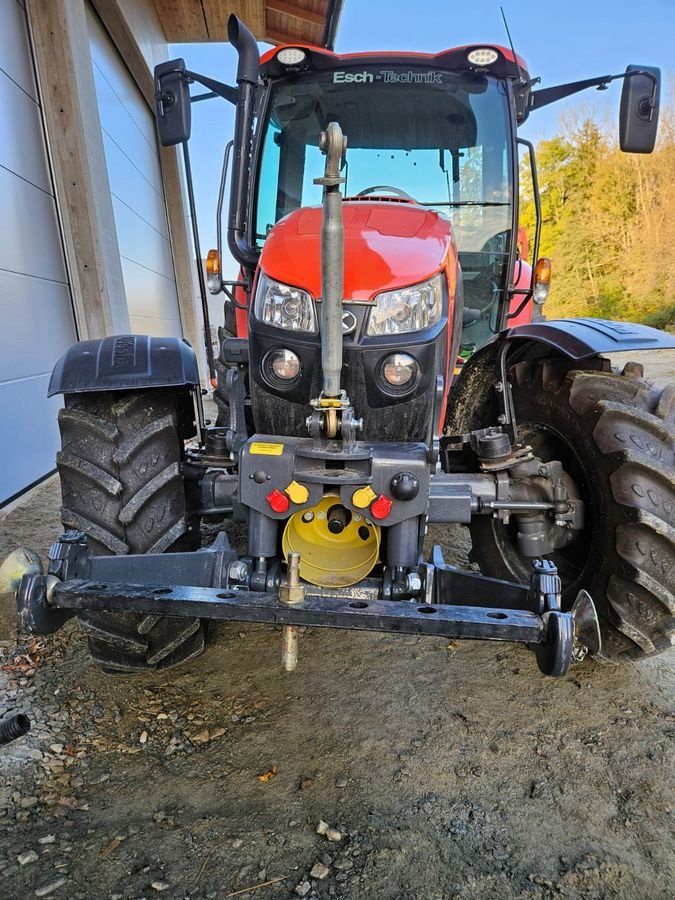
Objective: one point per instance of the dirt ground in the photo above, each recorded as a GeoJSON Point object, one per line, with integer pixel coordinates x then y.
{"type": "Point", "coordinates": [450, 770]}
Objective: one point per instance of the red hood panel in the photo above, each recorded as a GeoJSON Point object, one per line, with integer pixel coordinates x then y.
{"type": "Point", "coordinates": [387, 246]}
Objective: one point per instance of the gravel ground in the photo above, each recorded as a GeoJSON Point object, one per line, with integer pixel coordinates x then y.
{"type": "Point", "coordinates": [442, 770]}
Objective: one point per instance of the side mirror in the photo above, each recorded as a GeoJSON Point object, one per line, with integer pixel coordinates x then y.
{"type": "Point", "coordinates": [172, 103]}
{"type": "Point", "coordinates": [639, 112]}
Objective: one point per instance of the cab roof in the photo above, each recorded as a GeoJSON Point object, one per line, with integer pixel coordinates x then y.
{"type": "Point", "coordinates": [507, 64]}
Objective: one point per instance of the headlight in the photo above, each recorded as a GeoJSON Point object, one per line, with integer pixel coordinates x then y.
{"type": "Point", "coordinates": [400, 370]}
{"type": "Point", "coordinates": [410, 309]}
{"type": "Point", "coordinates": [284, 306]}
{"type": "Point", "coordinates": [282, 365]}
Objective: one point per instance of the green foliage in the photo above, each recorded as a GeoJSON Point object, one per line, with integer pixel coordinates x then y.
{"type": "Point", "coordinates": [608, 224]}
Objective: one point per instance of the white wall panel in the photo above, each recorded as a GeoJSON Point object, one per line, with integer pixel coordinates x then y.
{"type": "Point", "coordinates": [21, 145]}
{"type": "Point", "coordinates": [139, 148]}
{"type": "Point", "coordinates": [153, 288]}
{"type": "Point", "coordinates": [16, 60]}
{"type": "Point", "coordinates": [36, 317]}
{"type": "Point", "coordinates": [37, 325]}
{"type": "Point", "coordinates": [29, 234]}
{"type": "Point", "coordinates": [140, 242]}
{"type": "Point", "coordinates": [30, 419]}
{"type": "Point", "coordinates": [136, 185]}
{"type": "Point", "coordinates": [133, 188]}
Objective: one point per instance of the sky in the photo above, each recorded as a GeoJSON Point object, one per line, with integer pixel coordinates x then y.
{"type": "Point", "coordinates": [561, 41]}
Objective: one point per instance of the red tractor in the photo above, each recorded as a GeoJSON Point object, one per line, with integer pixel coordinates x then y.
{"type": "Point", "coordinates": [342, 431]}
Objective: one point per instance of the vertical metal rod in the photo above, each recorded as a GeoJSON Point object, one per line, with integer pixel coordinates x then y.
{"type": "Point", "coordinates": [333, 144]}
{"type": "Point", "coordinates": [290, 634]}
{"type": "Point", "coordinates": [200, 270]}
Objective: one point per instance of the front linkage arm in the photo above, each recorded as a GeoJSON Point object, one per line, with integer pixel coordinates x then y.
{"type": "Point", "coordinates": [207, 584]}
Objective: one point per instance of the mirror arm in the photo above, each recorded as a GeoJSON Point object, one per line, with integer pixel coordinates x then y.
{"type": "Point", "coordinates": [216, 88]}
{"type": "Point", "coordinates": [552, 94]}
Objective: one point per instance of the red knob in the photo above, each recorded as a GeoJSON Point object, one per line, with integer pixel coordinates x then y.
{"type": "Point", "coordinates": [381, 507]}
{"type": "Point", "coordinates": [278, 501]}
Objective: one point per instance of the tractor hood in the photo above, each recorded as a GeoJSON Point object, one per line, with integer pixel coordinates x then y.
{"type": "Point", "coordinates": [388, 245]}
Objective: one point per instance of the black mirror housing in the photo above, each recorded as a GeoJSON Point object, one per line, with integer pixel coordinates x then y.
{"type": "Point", "coordinates": [172, 103]}
{"type": "Point", "coordinates": [639, 111]}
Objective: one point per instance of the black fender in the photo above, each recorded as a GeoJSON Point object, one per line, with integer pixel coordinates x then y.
{"type": "Point", "coordinates": [580, 338]}
{"type": "Point", "coordinates": [574, 339]}
{"type": "Point", "coordinates": [124, 362]}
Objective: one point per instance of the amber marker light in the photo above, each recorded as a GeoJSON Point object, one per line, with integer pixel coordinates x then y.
{"type": "Point", "coordinates": [213, 271]}
{"type": "Point", "coordinates": [542, 280]}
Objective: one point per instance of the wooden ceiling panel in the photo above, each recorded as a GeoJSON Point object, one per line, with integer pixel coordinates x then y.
{"type": "Point", "coordinates": [274, 21]}
{"type": "Point", "coordinates": [285, 29]}
{"type": "Point", "coordinates": [182, 20]}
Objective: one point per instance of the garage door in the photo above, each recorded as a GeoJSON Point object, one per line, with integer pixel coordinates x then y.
{"type": "Point", "coordinates": [36, 316]}
{"type": "Point", "coordinates": [132, 161]}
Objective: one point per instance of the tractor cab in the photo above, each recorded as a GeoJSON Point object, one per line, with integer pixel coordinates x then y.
{"type": "Point", "coordinates": [429, 219]}
{"type": "Point", "coordinates": [426, 134]}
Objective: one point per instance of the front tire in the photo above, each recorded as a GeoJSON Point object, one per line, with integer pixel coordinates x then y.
{"type": "Point", "coordinates": [614, 436]}
{"type": "Point", "coordinates": [122, 486]}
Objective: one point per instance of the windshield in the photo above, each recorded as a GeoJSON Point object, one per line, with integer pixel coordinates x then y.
{"type": "Point", "coordinates": [441, 138]}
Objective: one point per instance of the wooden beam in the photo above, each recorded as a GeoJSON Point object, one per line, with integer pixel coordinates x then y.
{"type": "Point", "coordinates": [296, 12]}
{"type": "Point", "coordinates": [63, 57]}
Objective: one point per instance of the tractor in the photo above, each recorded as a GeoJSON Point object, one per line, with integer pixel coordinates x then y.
{"type": "Point", "coordinates": [373, 218]}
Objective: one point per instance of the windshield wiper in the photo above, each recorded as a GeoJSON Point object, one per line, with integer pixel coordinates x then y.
{"type": "Point", "coordinates": [468, 203]}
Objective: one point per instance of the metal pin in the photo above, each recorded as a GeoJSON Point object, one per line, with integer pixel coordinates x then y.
{"type": "Point", "coordinates": [291, 592]}
{"type": "Point", "coordinates": [290, 635]}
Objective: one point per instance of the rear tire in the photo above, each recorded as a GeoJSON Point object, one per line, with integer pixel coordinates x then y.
{"type": "Point", "coordinates": [122, 486]}
{"type": "Point", "coordinates": [615, 436]}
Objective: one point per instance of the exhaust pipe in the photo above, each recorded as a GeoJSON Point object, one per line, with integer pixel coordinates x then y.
{"type": "Point", "coordinates": [333, 144]}
{"type": "Point", "coordinates": [247, 80]}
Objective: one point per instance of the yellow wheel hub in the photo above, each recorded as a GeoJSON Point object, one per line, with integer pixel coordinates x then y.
{"type": "Point", "coordinates": [332, 558]}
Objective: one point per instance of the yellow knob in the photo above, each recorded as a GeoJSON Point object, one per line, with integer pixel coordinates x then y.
{"type": "Point", "coordinates": [297, 492]}
{"type": "Point", "coordinates": [363, 497]}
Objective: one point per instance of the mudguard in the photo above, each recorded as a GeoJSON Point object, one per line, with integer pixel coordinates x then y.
{"type": "Point", "coordinates": [574, 338]}
{"type": "Point", "coordinates": [124, 362]}
{"type": "Point", "coordinates": [579, 338]}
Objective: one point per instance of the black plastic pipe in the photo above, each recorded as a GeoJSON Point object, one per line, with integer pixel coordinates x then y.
{"type": "Point", "coordinates": [13, 728]}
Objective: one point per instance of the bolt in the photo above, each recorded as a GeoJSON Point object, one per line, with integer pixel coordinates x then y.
{"type": "Point", "coordinates": [499, 387]}
{"type": "Point", "coordinates": [238, 571]}
{"type": "Point", "coordinates": [501, 419]}
{"type": "Point", "coordinates": [413, 583]}
{"type": "Point", "coordinates": [292, 592]}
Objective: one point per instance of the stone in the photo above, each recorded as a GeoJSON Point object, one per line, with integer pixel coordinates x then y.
{"type": "Point", "coordinates": [319, 871]}
{"type": "Point", "coordinates": [28, 856]}
{"type": "Point", "coordinates": [303, 888]}
{"type": "Point", "coordinates": [46, 889]}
